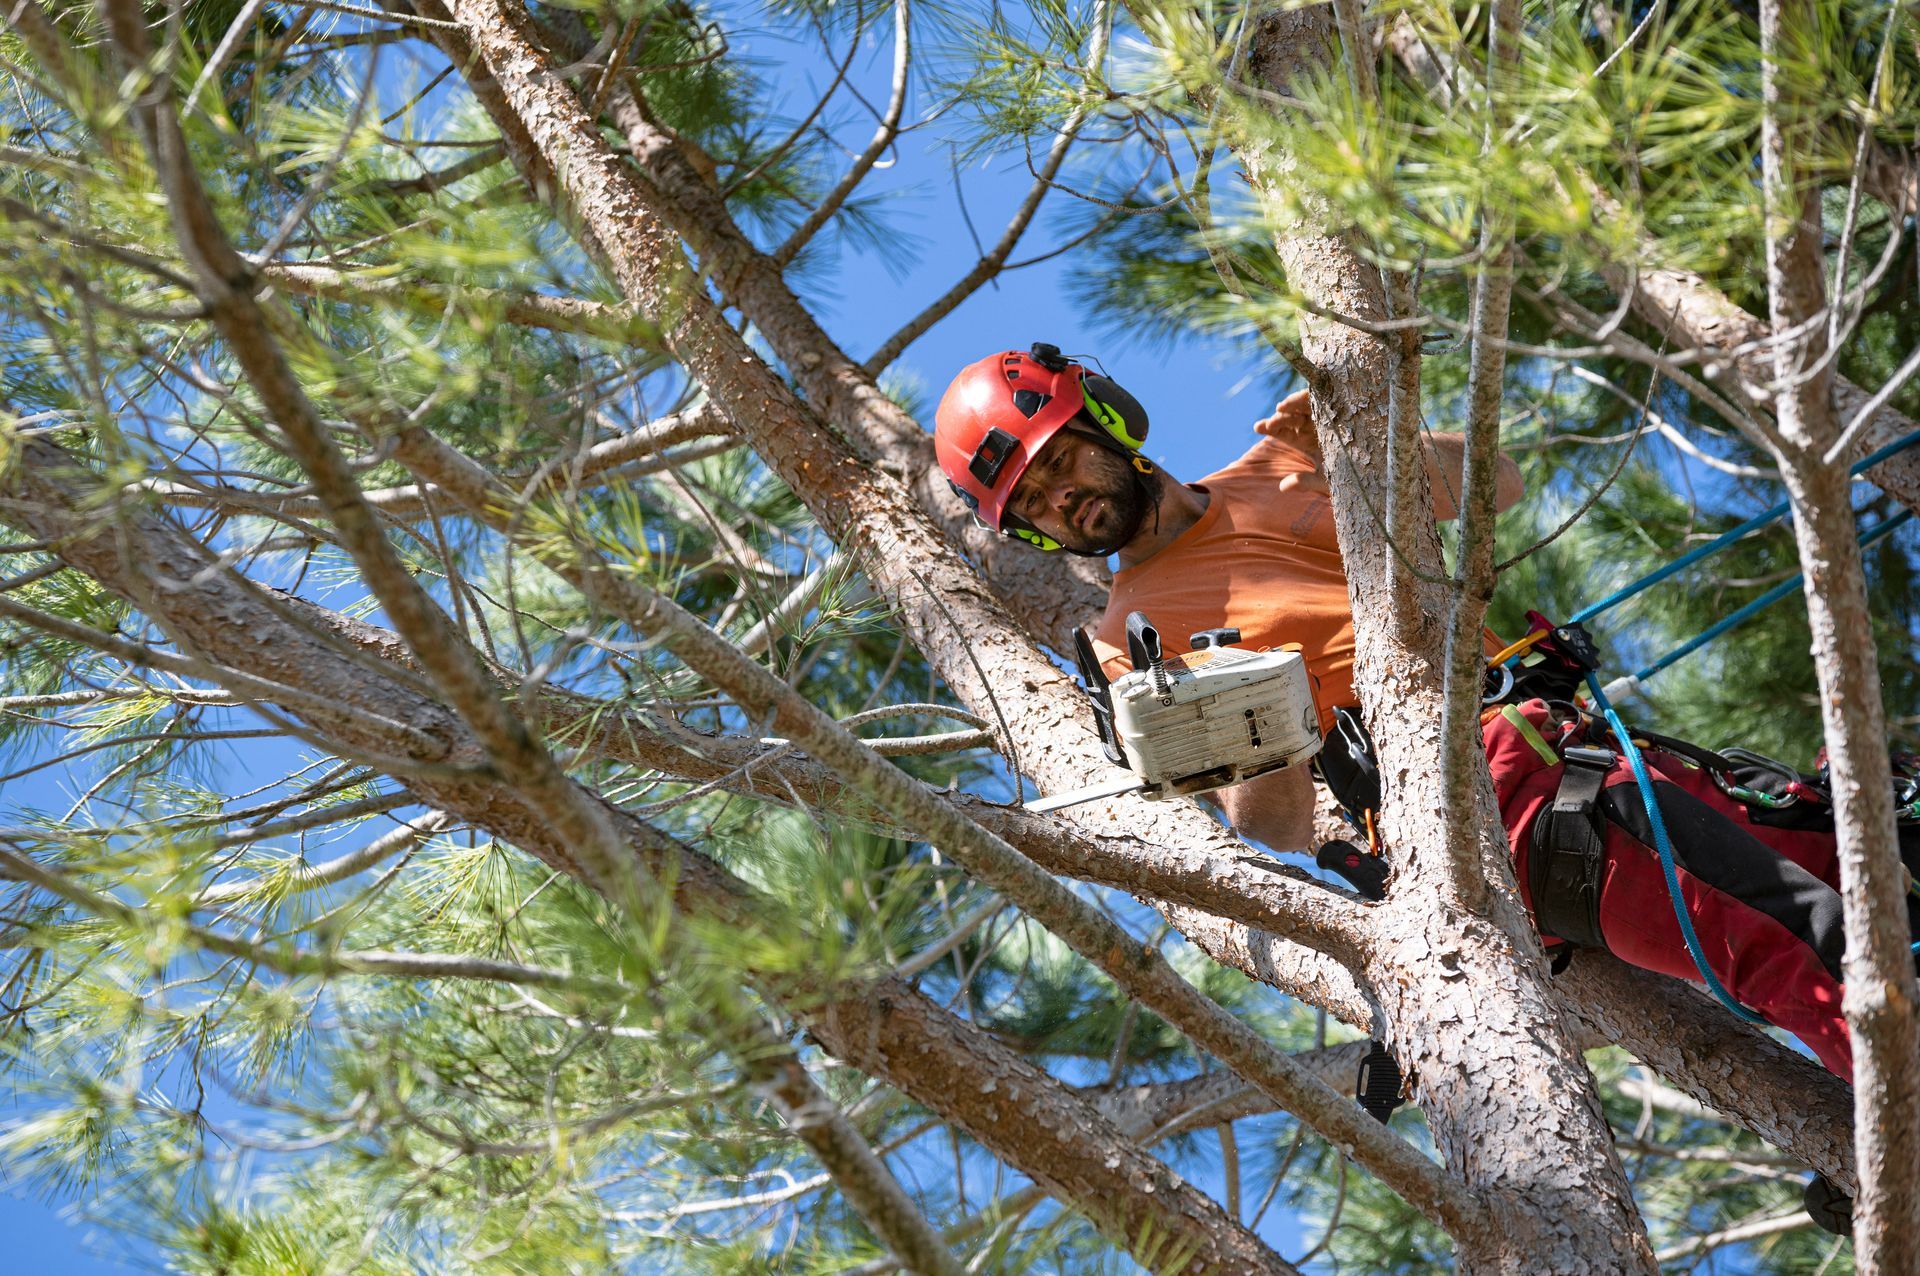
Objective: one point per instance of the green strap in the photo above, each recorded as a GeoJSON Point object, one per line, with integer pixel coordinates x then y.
{"type": "Point", "coordinates": [1519, 723]}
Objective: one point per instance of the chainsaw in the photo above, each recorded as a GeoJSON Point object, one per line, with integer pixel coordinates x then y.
{"type": "Point", "coordinates": [1190, 724]}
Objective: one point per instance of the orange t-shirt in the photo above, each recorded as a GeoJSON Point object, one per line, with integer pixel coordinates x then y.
{"type": "Point", "coordinates": [1259, 560]}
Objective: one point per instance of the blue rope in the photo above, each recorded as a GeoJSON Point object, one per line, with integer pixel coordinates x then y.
{"type": "Point", "coordinates": [1761, 603]}
{"type": "Point", "coordinates": [1720, 542]}
{"type": "Point", "coordinates": [1685, 561]}
{"type": "Point", "coordinates": [1664, 846]}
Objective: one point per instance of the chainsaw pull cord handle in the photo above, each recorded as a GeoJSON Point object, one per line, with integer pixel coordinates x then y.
{"type": "Point", "coordinates": [1143, 648]}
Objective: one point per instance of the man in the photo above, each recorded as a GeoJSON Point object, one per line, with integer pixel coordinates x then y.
{"type": "Point", "coordinates": [1049, 453]}
{"type": "Point", "coordinates": [1251, 546]}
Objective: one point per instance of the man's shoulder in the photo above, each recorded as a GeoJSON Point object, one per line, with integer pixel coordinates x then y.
{"type": "Point", "coordinates": [1265, 459]}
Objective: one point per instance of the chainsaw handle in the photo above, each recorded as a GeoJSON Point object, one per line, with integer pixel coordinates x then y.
{"type": "Point", "coordinates": [1099, 690]}
{"type": "Point", "coordinates": [1143, 646]}
{"type": "Point", "coordinates": [1143, 641]}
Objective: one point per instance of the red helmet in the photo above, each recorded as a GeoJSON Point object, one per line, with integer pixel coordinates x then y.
{"type": "Point", "coordinates": [1000, 411]}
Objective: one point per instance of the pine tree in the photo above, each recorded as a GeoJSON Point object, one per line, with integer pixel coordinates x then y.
{"type": "Point", "coordinates": [461, 563]}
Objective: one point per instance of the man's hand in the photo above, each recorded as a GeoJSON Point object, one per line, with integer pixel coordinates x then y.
{"type": "Point", "coordinates": [1292, 424]}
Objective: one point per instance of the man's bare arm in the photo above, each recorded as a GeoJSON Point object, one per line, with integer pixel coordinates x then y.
{"type": "Point", "coordinates": [1275, 809]}
{"type": "Point", "coordinates": [1447, 462]}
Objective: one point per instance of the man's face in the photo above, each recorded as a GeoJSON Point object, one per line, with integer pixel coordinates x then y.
{"type": "Point", "coordinates": [1081, 493]}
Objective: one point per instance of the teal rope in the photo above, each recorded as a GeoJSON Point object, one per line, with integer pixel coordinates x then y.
{"type": "Point", "coordinates": [1685, 561]}
{"type": "Point", "coordinates": [1761, 603]}
{"type": "Point", "coordinates": [1720, 542]}
{"type": "Point", "coordinates": [1664, 846]}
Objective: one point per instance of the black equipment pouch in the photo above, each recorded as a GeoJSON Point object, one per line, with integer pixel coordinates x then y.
{"type": "Point", "coordinates": [1346, 763]}
{"type": "Point", "coordinates": [1378, 1085]}
{"type": "Point", "coordinates": [1568, 853]}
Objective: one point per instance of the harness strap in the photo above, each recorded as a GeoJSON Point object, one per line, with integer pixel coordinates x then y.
{"type": "Point", "coordinates": [1568, 852]}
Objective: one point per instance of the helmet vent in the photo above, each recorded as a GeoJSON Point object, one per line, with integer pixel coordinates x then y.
{"type": "Point", "coordinates": [1028, 402]}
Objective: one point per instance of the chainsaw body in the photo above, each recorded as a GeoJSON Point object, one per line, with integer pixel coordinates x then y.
{"type": "Point", "coordinates": [1211, 718]}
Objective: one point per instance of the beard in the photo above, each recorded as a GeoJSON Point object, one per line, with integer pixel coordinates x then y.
{"type": "Point", "coordinates": [1110, 512]}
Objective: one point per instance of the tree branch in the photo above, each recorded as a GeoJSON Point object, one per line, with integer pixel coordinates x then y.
{"type": "Point", "coordinates": [1732, 1067]}
{"type": "Point", "coordinates": [991, 262]}
{"type": "Point", "coordinates": [379, 287]}
{"type": "Point", "coordinates": [883, 137]}
{"type": "Point", "coordinates": [884, 1028]}
{"type": "Point", "coordinates": [1736, 1235]}
{"type": "Point", "coordinates": [365, 961]}
{"type": "Point", "coordinates": [856, 1169]}
{"type": "Point", "coordinates": [313, 876]}
{"type": "Point", "coordinates": [1469, 849]}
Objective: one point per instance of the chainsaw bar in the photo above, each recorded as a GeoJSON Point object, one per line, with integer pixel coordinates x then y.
{"type": "Point", "coordinates": [1074, 797]}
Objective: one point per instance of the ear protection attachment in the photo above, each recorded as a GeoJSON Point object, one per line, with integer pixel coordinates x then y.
{"type": "Point", "coordinates": [1116, 411]}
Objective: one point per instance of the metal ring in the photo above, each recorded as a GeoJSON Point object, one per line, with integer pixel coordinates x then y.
{"type": "Point", "coordinates": [1506, 685]}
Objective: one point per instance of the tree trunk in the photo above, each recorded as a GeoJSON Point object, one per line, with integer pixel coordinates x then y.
{"type": "Point", "coordinates": [1880, 990]}
{"type": "Point", "coordinates": [1465, 995]}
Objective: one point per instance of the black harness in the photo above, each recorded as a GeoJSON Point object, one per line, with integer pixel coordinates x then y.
{"type": "Point", "coordinates": [1568, 850]}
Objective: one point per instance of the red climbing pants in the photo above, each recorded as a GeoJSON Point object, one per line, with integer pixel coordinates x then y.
{"type": "Point", "coordinates": [1763, 900]}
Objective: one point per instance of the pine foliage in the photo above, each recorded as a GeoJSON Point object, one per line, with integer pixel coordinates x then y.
{"type": "Point", "coordinates": [192, 1035]}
